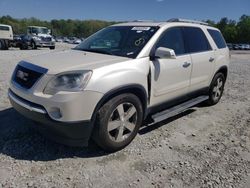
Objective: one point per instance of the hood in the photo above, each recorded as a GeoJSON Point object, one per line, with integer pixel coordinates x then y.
{"type": "Point", "coordinates": [69, 60]}
{"type": "Point", "coordinates": [43, 35]}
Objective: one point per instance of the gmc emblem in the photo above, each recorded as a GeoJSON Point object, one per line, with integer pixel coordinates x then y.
{"type": "Point", "coordinates": [22, 75]}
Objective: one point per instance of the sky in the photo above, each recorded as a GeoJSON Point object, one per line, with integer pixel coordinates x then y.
{"type": "Point", "coordinates": [125, 10]}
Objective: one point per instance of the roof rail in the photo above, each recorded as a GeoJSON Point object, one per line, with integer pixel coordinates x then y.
{"type": "Point", "coordinates": [187, 21]}
{"type": "Point", "coordinates": [143, 21]}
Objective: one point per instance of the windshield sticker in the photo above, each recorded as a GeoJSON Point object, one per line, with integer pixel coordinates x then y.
{"type": "Point", "coordinates": [139, 42]}
{"type": "Point", "coordinates": [141, 28]}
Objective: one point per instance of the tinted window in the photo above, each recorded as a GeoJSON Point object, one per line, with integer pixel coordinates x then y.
{"type": "Point", "coordinates": [173, 39]}
{"type": "Point", "coordinates": [4, 28]}
{"type": "Point", "coordinates": [196, 40]}
{"type": "Point", "coordinates": [218, 38]}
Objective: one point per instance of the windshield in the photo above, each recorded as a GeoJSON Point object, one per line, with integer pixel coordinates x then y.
{"type": "Point", "coordinates": [39, 30]}
{"type": "Point", "coordinates": [126, 41]}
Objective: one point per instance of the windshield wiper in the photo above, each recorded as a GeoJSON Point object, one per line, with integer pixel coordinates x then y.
{"type": "Point", "coordinates": [96, 51]}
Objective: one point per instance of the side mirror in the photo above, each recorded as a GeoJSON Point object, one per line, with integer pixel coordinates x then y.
{"type": "Point", "coordinates": [165, 53]}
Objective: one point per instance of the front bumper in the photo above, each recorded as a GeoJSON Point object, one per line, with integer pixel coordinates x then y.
{"type": "Point", "coordinates": [45, 44]}
{"type": "Point", "coordinates": [72, 134]}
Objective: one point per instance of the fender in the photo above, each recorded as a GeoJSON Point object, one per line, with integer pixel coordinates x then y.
{"type": "Point", "coordinates": [136, 89]}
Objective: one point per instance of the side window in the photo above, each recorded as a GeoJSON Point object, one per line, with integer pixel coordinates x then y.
{"type": "Point", "coordinates": [4, 28]}
{"type": "Point", "coordinates": [173, 39]}
{"type": "Point", "coordinates": [218, 38]}
{"type": "Point", "coordinates": [196, 40]}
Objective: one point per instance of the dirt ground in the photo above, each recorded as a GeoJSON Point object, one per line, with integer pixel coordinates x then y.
{"type": "Point", "coordinates": [203, 147]}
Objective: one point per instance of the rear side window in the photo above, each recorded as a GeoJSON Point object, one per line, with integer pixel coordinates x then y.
{"type": "Point", "coordinates": [218, 38]}
{"type": "Point", "coordinates": [196, 40]}
{"type": "Point", "coordinates": [173, 39]}
{"type": "Point", "coordinates": [4, 28]}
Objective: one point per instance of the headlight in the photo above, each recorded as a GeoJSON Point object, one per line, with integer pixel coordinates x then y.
{"type": "Point", "coordinates": [69, 81]}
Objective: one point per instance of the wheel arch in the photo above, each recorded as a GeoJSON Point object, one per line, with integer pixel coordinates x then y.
{"type": "Point", "coordinates": [135, 89]}
{"type": "Point", "coordinates": [223, 70]}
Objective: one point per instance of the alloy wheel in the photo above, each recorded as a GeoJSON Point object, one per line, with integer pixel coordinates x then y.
{"type": "Point", "coordinates": [217, 90]}
{"type": "Point", "coordinates": [122, 122]}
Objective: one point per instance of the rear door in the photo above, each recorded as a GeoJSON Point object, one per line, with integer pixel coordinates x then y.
{"type": "Point", "coordinates": [202, 55]}
{"type": "Point", "coordinates": [170, 77]}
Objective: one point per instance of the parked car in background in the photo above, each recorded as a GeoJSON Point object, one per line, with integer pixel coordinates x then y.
{"type": "Point", "coordinates": [13, 43]}
{"type": "Point", "coordinates": [6, 35]}
{"type": "Point", "coordinates": [59, 39]}
{"type": "Point", "coordinates": [230, 46]}
{"type": "Point", "coordinates": [241, 47]}
{"type": "Point", "coordinates": [66, 40]}
{"type": "Point", "coordinates": [247, 47]}
{"type": "Point", "coordinates": [77, 41]}
{"type": "Point", "coordinates": [71, 40]}
{"type": "Point", "coordinates": [41, 37]}
{"type": "Point", "coordinates": [236, 47]}
{"type": "Point", "coordinates": [23, 42]}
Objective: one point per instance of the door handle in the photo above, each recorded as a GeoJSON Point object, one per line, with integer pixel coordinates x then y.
{"type": "Point", "coordinates": [186, 64]}
{"type": "Point", "coordinates": [211, 59]}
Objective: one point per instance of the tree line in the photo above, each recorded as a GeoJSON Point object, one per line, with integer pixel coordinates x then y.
{"type": "Point", "coordinates": [233, 31]}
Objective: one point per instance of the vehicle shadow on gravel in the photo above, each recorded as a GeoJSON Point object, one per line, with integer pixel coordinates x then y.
{"type": "Point", "coordinates": [19, 140]}
{"type": "Point", "coordinates": [147, 127]}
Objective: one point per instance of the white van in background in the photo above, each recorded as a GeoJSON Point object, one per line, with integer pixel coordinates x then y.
{"type": "Point", "coordinates": [6, 35]}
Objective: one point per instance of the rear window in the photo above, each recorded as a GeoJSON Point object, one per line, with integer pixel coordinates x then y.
{"type": "Point", "coordinates": [218, 38]}
{"type": "Point", "coordinates": [196, 40]}
{"type": "Point", "coordinates": [4, 28]}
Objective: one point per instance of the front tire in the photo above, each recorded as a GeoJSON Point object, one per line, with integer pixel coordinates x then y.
{"type": "Point", "coordinates": [52, 47]}
{"type": "Point", "coordinates": [216, 89]}
{"type": "Point", "coordinates": [23, 46]}
{"type": "Point", "coordinates": [118, 122]}
{"type": "Point", "coordinates": [33, 45]}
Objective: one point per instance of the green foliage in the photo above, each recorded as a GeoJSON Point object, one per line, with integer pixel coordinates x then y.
{"type": "Point", "coordinates": [76, 28]}
{"type": "Point", "coordinates": [234, 32]}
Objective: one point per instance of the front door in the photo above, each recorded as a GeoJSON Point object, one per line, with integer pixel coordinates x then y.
{"type": "Point", "coordinates": [170, 77]}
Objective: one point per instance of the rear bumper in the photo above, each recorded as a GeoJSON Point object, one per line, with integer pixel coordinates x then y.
{"type": "Point", "coordinates": [72, 134]}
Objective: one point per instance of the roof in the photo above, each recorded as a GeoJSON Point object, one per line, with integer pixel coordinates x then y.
{"type": "Point", "coordinates": [5, 25]}
{"type": "Point", "coordinates": [163, 23]}
{"type": "Point", "coordinates": [141, 23]}
{"type": "Point", "coordinates": [38, 26]}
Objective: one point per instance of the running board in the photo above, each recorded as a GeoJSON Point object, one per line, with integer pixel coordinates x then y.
{"type": "Point", "coordinates": [170, 112]}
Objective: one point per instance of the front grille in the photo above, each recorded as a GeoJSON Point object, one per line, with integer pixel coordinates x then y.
{"type": "Point", "coordinates": [25, 77]}
{"type": "Point", "coordinates": [46, 39]}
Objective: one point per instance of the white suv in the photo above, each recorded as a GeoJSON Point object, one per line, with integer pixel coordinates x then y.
{"type": "Point", "coordinates": [105, 87]}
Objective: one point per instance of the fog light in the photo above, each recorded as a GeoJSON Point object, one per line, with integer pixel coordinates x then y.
{"type": "Point", "coordinates": [55, 113]}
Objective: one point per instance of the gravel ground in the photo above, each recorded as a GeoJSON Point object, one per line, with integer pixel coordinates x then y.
{"type": "Point", "coordinates": [203, 147]}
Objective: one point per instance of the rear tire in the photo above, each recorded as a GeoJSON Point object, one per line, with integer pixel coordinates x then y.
{"type": "Point", "coordinates": [1, 45]}
{"type": "Point", "coordinates": [216, 89]}
{"type": "Point", "coordinates": [118, 122]}
{"type": "Point", "coordinates": [4, 45]}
